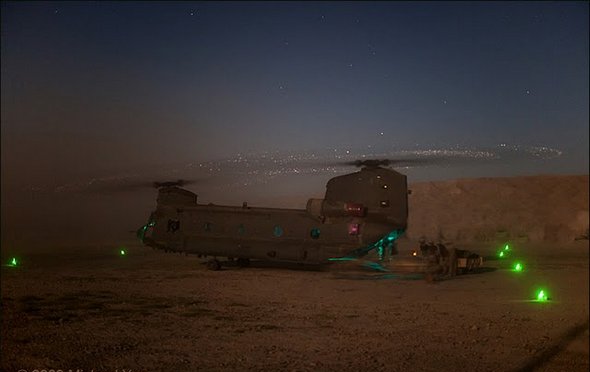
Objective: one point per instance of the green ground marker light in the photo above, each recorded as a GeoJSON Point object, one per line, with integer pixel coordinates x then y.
{"type": "Point", "coordinates": [541, 296]}
{"type": "Point", "coordinates": [122, 252]}
{"type": "Point", "coordinates": [518, 267]}
{"type": "Point", "coordinates": [504, 251]}
{"type": "Point", "coordinates": [13, 262]}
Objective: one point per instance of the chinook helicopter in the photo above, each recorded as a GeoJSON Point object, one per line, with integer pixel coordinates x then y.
{"type": "Point", "coordinates": [359, 210]}
{"type": "Point", "coordinates": [362, 213]}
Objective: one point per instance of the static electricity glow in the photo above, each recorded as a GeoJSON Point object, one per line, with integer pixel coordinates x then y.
{"type": "Point", "coordinates": [341, 259]}
{"type": "Point", "coordinates": [374, 266]}
{"type": "Point", "coordinates": [541, 296]}
{"type": "Point", "coordinates": [381, 245]}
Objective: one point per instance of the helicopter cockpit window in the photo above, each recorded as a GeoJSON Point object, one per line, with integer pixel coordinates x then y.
{"type": "Point", "coordinates": [173, 225]}
{"type": "Point", "coordinates": [315, 233]}
{"type": "Point", "coordinates": [208, 226]}
{"type": "Point", "coordinates": [278, 231]}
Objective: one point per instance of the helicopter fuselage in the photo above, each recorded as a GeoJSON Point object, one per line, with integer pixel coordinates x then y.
{"type": "Point", "coordinates": [358, 210]}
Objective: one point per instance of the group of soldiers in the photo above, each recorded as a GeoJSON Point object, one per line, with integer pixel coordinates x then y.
{"type": "Point", "coordinates": [442, 261]}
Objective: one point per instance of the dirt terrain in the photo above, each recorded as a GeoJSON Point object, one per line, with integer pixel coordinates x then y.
{"type": "Point", "coordinates": [89, 308]}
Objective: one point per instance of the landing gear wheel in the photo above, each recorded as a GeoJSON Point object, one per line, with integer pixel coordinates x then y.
{"type": "Point", "coordinates": [243, 262]}
{"type": "Point", "coordinates": [453, 262]}
{"type": "Point", "coordinates": [213, 265]}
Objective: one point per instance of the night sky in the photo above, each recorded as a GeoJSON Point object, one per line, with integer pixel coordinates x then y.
{"type": "Point", "coordinates": [97, 90]}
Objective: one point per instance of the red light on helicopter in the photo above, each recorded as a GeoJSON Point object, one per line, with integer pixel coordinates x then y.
{"type": "Point", "coordinates": [353, 228]}
{"type": "Point", "coordinates": [355, 209]}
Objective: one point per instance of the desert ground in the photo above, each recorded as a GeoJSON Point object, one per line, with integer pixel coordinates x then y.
{"type": "Point", "coordinates": [89, 308]}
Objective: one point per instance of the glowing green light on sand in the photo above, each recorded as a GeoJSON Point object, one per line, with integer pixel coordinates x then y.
{"type": "Point", "coordinates": [122, 252]}
{"type": "Point", "coordinates": [542, 296]}
{"type": "Point", "coordinates": [518, 267]}
{"type": "Point", "coordinates": [501, 254]}
{"type": "Point", "coordinates": [13, 262]}
{"type": "Point", "coordinates": [374, 266]}
{"type": "Point", "coordinates": [342, 259]}
{"type": "Point", "coordinates": [506, 247]}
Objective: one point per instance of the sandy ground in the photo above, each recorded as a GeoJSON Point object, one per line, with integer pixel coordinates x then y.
{"type": "Point", "coordinates": [90, 308]}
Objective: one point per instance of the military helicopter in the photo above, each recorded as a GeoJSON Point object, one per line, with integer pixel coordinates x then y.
{"type": "Point", "coordinates": [361, 213]}
{"type": "Point", "coordinates": [358, 210]}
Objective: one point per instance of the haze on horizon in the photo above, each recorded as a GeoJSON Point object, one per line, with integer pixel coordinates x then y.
{"type": "Point", "coordinates": [97, 91]}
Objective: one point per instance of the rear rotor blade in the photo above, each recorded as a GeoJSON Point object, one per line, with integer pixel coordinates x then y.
{"type": "Point", "coordinates": [400, 162]}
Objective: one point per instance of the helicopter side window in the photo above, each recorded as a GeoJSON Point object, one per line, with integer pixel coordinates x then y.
{"type": "Point", "coordinates": [315, 233]}
{"type": "Point", "coordinates": [278, 231]}
{"type": "Point", "coordinates": [208, 226]}
{"type": "Point", "coordinates": [173, 225]}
